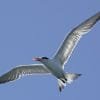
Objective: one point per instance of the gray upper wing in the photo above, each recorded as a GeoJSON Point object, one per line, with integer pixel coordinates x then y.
{"type": "Point", "coordinates": [74, 36]}
{"type": "Point", "coordinates": [23, 70]}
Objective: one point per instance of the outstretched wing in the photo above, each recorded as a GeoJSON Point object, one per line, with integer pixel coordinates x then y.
{"type": "Point", "coordinates": [73, 38]}
{"type": "Point", "coordinates": [23, 70]}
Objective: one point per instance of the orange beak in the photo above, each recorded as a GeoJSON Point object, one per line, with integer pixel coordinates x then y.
{"type": "Point", "coordinates": [37, 59]}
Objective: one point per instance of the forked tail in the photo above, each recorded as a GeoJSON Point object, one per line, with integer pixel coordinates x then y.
{"type": "Point", "coordinates": [70, 77]}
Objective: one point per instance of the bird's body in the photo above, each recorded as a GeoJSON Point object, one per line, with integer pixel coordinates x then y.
{"type": "Point", "coordinates": [55, 65]}
{"type": "Point", "coordinates": [55, 68]}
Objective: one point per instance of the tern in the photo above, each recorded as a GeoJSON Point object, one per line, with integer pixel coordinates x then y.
{"type": "Point", "coordinates": [55, 65]}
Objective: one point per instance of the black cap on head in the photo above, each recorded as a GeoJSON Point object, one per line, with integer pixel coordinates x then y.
{"type": "Point", "coordinates": [45, 58]}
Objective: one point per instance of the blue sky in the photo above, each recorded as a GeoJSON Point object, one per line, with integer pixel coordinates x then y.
{"type": "Point", "coordinates": [31, 28]}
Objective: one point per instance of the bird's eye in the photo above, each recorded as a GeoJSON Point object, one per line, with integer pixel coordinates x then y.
{"type": "Point", "coordinates": [45, 58]}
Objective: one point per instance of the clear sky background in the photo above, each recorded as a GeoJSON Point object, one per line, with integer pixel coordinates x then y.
{"type": "Point", "coordinates": [30, 28]}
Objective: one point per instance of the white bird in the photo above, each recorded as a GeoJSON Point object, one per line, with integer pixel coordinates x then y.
{"type": "Point", "coordinates": [55, 65]}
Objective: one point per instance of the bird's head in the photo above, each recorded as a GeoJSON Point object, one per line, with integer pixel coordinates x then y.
{"type": "Point", "coordinates": [41, 59]}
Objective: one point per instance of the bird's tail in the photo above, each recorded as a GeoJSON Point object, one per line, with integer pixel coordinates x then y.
{"type": "Point", "coordinates": [70, 77]}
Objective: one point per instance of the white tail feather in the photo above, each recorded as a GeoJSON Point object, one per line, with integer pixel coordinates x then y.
{"type": "Point", "coordinates": [70, 78]}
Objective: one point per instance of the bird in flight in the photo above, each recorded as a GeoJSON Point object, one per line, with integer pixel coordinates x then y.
{"type": "Point", "coordinates": [55, 65]}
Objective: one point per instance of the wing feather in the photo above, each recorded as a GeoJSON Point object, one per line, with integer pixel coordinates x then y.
{"type": "Point", "coordinates": [73, 38]}
{"type": "Point", "coordinates": [23, 70]}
